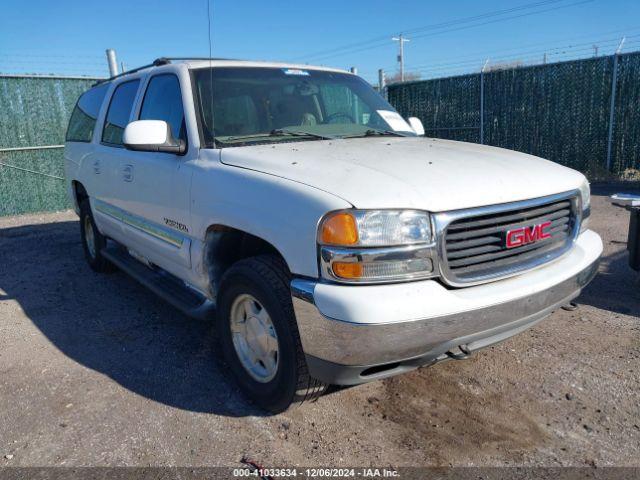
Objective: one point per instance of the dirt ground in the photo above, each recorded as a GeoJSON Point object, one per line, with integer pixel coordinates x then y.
{"type": "Point", "coordinates": [96, 370]}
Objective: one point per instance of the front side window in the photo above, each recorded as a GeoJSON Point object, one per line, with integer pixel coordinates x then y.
{"type": "Point", "coordinates": [119, 112]}
{"type": "Point", "coordinates": [84, 116]}
{"type": "Point", "coordinates": [163, 101]}
{"type": "Point", "coordinates": [244, 105]}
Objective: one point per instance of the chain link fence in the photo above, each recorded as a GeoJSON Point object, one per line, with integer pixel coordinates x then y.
{"type": "Point", "coordinates": [34, 112]}
{"type": "Point", "coordinates": [558, 111]}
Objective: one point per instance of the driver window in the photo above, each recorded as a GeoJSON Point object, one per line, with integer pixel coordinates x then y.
{"type": "Point", "coordinates": [163, 101]}
{"type": "Point", "coordinates": [341, 105]}
{"type": "Point", "coordinates": [293, 105]}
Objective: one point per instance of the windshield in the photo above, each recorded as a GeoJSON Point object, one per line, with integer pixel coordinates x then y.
{"type": "Point", "coordinates": [269, 105]}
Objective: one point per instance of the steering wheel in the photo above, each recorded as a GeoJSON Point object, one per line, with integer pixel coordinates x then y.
{"type": "Point", "coordinates": [333, 116]}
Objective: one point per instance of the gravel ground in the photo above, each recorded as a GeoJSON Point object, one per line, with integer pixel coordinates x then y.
{"type": "Point", "coordinates": [95, 370]}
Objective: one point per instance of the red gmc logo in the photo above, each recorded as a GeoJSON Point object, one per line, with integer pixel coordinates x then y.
{"type": "Point", "coordinates": [525, 235]}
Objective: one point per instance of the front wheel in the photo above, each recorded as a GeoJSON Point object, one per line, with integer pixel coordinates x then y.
{"type": "Point", "coordinates": [259, 336]}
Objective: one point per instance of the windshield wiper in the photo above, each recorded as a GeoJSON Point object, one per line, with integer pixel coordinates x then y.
{"type": "Point", "coordinates": [278, 132]}
{"type": "Point", "coordinates": [300, 133]}
{"type": "Point", "coordinates": [372, 132]}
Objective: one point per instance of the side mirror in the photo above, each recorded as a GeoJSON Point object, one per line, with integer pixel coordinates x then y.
{"type": "Point", "coordinates": [417, 126]}
{"type": "Point", "coordinates": [152, 136]}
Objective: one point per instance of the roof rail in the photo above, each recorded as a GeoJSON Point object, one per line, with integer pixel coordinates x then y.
{"type": "Point", "coordinates": [156, 63]}
{"type": "Point", "coordinates": [169, 59]}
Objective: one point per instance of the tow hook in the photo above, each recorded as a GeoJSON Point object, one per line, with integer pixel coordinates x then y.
{"type": "Point", "coordinates": [570, 307]}
{"type": "Point", "coordinates": [462, 354]}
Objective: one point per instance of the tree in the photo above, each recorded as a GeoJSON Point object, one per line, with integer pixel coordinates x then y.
{"type": "Point", "coordinates": [408, 77]}
{"type": "Point", "coordinates": [494, 67]}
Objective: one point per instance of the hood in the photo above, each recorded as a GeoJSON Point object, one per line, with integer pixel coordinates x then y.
{"type": "Point", "coordinates": [412, 172]}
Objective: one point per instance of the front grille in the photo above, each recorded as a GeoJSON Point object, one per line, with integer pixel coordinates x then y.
{"type": "Point", "coordinates": [474, 241]}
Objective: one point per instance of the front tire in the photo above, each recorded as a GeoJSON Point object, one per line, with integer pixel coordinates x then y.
{"type": "Point", "coordinates": [93, 241]}
{"type": "Point", "coordinates": [259, 336]}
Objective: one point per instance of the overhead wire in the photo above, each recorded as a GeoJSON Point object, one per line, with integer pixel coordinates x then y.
{"type": "Point", "coordinates": [385, 38]}
{"type": "Point", "coordinates": [416, 37]}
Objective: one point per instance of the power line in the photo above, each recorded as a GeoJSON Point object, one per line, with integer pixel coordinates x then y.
{"type": "Point", "coordinates": [28, 55]}
{"type": "Point", "coordinates": [427, 27]}
{"type": "Point", "coordinates": [550, 51]}
{"type": "Point", "coordinates": [478, 57]}
{"type": "Point", "coordinates": [48, 62]}
{"type": "Point", "coordinates": [378, 44]}
{"type": "Point", "coordinates": [555, 55]}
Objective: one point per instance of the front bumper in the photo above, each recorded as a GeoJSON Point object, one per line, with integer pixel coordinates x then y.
{"type": "Point", "coordinates": [354, 334]}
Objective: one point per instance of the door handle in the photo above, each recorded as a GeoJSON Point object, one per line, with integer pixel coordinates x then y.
{"type": "Point", "coordinates": [127, 173]}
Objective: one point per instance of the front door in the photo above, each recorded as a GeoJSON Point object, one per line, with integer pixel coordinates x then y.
{"type": "Point", "coordinates": [155, 186]}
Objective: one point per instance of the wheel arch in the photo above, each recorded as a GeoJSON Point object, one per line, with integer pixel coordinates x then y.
{"type": "Point", "coordinates": [225, 245]}
{"type": "Point", "coordinates": [79, 194]}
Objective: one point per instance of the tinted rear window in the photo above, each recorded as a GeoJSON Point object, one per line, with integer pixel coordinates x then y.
{"type": "Point", "coordinates": [119, 112]}
{"type": "Point", "coordinates": [84, 116]}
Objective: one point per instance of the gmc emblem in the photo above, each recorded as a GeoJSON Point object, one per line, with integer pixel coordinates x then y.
{"type": "Point", "coordinates": [526, 235]}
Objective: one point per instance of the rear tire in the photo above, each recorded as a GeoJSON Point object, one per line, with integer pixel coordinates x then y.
{"type": "Point", "coordinates": [263, 281]}
{"type": "Point", "coordinates": [93, 241]}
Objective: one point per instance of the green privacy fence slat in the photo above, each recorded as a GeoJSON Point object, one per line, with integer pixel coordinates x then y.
{"type": "Point", "coordinates": [626, 134]}
{"type": "Point", "coordinates": [22, 191]}
{"type": "Point", "coordinates": [556, 111]}
{"type": "Point", "coordinates": [34, 112]}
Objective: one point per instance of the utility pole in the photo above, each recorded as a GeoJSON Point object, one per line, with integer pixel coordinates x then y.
{"type": "Point", "coordinates": [113, 63]}
{"type": "Point", "coordinates": [544, 58]}
{"type": "Point", "coordinates": [381, 81]}
{"type": "Point", "coordinates": [595, 50]}
{"type": "Point", "coordinates": [400, 39]}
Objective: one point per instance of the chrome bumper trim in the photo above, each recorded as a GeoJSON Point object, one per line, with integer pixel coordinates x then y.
{"type": "Point", "coordinates": [373, 344]}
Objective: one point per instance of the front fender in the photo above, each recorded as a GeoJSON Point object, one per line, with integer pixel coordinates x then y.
{"type": "Point", "coordinates": [282, 212]}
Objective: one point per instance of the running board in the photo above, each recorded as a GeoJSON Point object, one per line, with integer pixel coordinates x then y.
{"type": "Point", "coordinates": [163, 284]}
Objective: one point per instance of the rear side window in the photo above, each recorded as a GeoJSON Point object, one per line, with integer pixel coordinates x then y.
{"type": "Point", "coordinates": [163, 101]}
{"type": "Point", "coordinates": [119, 112]}
{"type": "Point", "coordinates": [84, 116]}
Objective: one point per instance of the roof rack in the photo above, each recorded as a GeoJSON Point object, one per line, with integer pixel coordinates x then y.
{"type": "Point", "coordinates": [156, 63]}
{"type": "Point", "coordinates": [198, 58]}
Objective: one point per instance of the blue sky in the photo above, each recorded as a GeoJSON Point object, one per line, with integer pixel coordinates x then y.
{"type": "Point", "coordinates": [70, 36]}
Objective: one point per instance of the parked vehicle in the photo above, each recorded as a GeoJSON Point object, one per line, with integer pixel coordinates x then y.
{"type": "Point", "coordinates": [334, 242]}
{"type": "Point", "coordinates": [632, 203]}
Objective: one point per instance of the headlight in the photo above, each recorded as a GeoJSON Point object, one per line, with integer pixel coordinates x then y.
{"type": "Point", "coordinates": [372, 246]}
{"type": "Point", "coordinates": [375, 228]}
{"type": "Point", "coordinates": [585, 196]}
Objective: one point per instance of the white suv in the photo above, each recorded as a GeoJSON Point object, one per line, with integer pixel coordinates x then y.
{"type": "Point", "coordinates": [336, 243]}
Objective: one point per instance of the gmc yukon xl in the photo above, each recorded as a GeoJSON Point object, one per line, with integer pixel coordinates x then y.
{"type": "Point", "coordinates": [331, 241]}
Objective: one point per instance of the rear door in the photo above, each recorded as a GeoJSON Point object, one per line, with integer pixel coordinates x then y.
{"type": "Point", "coordinates": [105, 164]}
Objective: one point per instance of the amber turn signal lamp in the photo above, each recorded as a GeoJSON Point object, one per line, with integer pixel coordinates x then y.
{"type": "Point", "coordinates": [339, 229]}
{"type": "Point", "coordinates": [347, 270]}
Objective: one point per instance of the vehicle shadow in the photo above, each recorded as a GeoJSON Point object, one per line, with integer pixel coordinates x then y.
{"type": "Point", "coordinates": [113, 325]}
{"type": "Point", "coordinates": [615, 288]}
